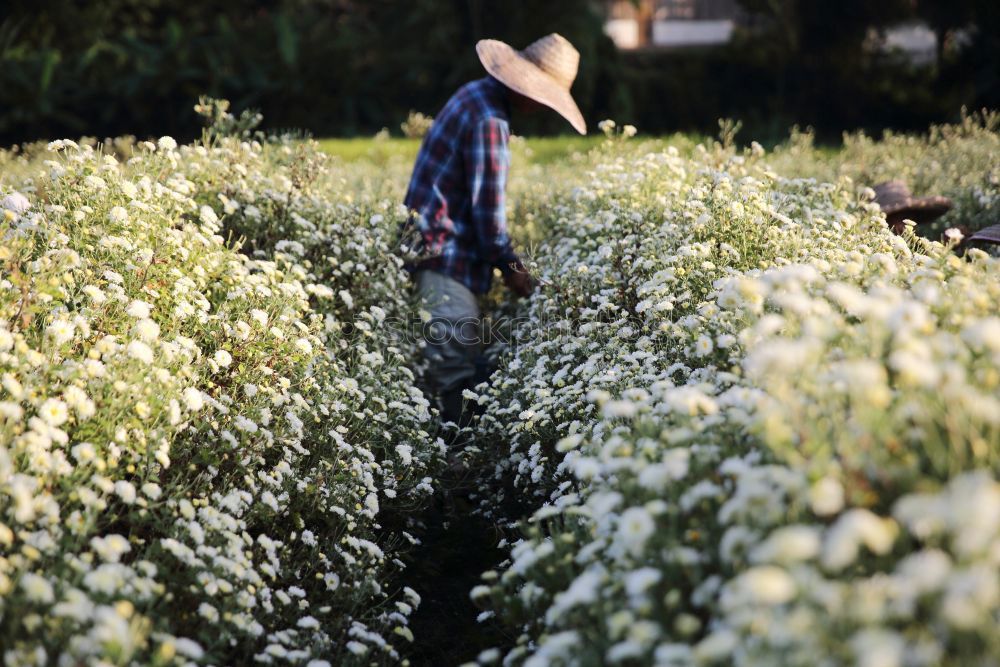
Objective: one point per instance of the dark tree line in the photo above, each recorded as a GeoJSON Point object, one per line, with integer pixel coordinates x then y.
{"type": "Point", "coordinates": [73, 67]}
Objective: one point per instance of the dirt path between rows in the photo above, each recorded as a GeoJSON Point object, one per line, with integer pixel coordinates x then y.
{"type": "Point", "coordinates": [457, 547]}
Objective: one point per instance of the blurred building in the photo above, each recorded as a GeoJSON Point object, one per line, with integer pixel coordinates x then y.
{"type": "Point", "coordinates": [915, 41]}
{"type": "Point", "coordinates": [671, 23]}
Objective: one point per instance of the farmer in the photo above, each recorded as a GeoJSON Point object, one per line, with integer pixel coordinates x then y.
{"type": "Point", "coordinates": [456, 200]}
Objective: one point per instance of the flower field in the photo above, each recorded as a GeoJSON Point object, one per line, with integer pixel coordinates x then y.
{"type": "Point", "coordinates": [204, 422]}
{"type": "Point", "coordinates": [740, 422]}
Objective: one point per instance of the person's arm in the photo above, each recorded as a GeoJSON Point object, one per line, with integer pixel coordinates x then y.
{"type": "Point", "coordinates": [487, 158]}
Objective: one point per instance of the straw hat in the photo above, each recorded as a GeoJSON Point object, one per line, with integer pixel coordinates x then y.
{"type": "Point", "coordinates": [989, 234]}
{"type": "Point", "coordinates": [897, 202]}
{"type": "Point", "coordinates": [544, 71]}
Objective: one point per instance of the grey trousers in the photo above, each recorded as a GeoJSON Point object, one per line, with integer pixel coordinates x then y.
{"type": "Point", "coordinates": [454, 334]}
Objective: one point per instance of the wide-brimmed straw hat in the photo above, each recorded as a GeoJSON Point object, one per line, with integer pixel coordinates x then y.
{"type": "Point", "coordinates": [544, 71]}
{"type": "Point", "coordinates": [895, 199]}
{"type": "Point", "coordinates": [989, 234]}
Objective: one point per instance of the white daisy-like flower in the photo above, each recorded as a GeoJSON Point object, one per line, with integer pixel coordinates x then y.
{"type": "Point", "coordinates": [193, 398]}
{"type": "Point", "coordinates": [346, 297]}
{"type": "Point", "coordinates": [223, 358]}
{"type": "Point", "coordinates": [16, 203]}
{"type": "Point", "coordinates": [118, 215]}
{"type": "Point", "coordinates": [125, 491]}
{"type": "Point", "coordinates": [146, 329]}
{"type": "Point", "coordinates": [152, 490]}
{"type": "Point", "coordinates": [37, 589]}
{"type": "Point", "coordinates": [166, 143]}
{"type": "Point", "coordinates": [53, 412]}
{"type": "Point", "coordinates": [207, 215]}
{"type": "Point", "coordinates": [140, 351]}
{"type": "Point", "coordinates": [635, 527]}
{"type": "Point", "coordinates": [259, 316]}
{"type": "Point", "coordinates": [61, 331]}
{"type": "Point", "coordinates": [703, 346]}
{"type": "Point", "coordinates": [139, 309]}
{"type": "Point", "coordinates": [954, 234]}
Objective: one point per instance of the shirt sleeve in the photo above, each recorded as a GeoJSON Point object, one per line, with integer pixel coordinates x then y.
{"type": "Point", "coordinates": [487, 160]}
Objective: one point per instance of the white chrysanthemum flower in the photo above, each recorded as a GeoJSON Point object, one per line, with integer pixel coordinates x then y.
{"type": "Point", "coordinates": [152, 490]}
{"type": "Point", "coordinates": [875, 647]}
{"type": "Point", "coordinates": [304, 346]}
{"type": "Point", "coordinates": [259, 316]}
{"type": "Point", "coordinates": [357, 648]}
{"type": "Point", "coordinates": [223, 358]}
{"type": "Point", "coordinates": [308, 623]}
{"type": "Point", "coordinates": [826, 496]}
{"type": "Point", "coordinates": [11, 411]}
{"type": "Point", "coordinates": [619, 409]}
{"type": "Point", "coordinates": [118, 215]}
{"type": "Point", "coordinates": [703, 346]}
{"type": "Point", "coordinates": [208, 612]}
{"type": "Point", "coordinates": [95, 294]}
{"type": "Point", "coordinates": [78, 400]}
{"type": "Point", "coordinates": [37, 589]}
{"type": "Point", "coordinates": [140, 351]}
{"type": "Point", "coordinates": [405, 453]}
{"type": "Point", "coordinates": [61, 331]}
{"type": "Point", "coordinates": [111, 547]}
{"type": "Point", "coordinates": [84, 452]}
{"type": "Point", "coordinates": [139, 309]}
{"type": "Point", "coordinates": [187, 647]}
{"type": "Point", "coordinates": [767, 584]}
{"type": "Point", "coordinates": [346, 297]}
{"type": "Point", "coordinates": [16, 203]}
{"type": "Point", "coordinates": [925, 571]}
{"type": "Point", "coordinates": [850, 531]}
{"type": "Point", "coordinates": [717, 646]}
{"type": "Point", "coordinates": [53, 412]}
{"type": "Point", "coordinates": [635, 527]}
{"type": "Point", "coordinates": [788, 544]}
{"type": "Point", "coordinates": [166, 143]}
{"type": "Point", "coordinates": [207, 215]}
{"type": "Point", "coordinates": [146, 329]}
{"type": "Point", "coordinates": [125, 491]}
{"type": "Point", "coordinates": [193, 398]}
{"type": "Point", "coordinates": [245, 425]}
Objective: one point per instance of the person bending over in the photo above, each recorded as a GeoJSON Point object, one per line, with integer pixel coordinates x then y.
{"type": "Point", "coordinates": [456, 201]}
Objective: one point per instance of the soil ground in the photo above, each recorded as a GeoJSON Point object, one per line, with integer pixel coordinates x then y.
{"type": "Point", "coordinates": [457, 547]}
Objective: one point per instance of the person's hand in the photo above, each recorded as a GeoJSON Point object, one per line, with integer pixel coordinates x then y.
{"type": "Point", "coordinates": [519, 281]}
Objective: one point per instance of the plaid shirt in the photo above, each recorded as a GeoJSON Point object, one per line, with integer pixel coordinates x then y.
{"type": "Point", "coordinates": [458, 187]}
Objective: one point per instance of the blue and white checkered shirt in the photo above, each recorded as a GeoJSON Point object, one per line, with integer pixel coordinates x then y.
{"type": "Point", "coordinates": [458, 187]}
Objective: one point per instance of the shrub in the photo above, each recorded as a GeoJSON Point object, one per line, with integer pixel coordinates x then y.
{"type": "Point", "coordinates": [201, 445]}
{"type": "Point", "coordinates": [761, 428]}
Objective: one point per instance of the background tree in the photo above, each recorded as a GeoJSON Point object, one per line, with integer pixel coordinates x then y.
{"type": "Point", "coordinates": [343, 67]}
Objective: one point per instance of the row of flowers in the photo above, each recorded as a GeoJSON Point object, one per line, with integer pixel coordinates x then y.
{"type": "Point", "coordinates": [760, 427]}
{"type": "Point", "coordinates": [210, 445]}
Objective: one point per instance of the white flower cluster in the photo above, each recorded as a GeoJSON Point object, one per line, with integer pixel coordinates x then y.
{"type": "Point", "coordinates": [198, 442]}
{"type": "Point", "coordinates": [762, 428]}
{"type": "Point", "coordinates": [957, 161]}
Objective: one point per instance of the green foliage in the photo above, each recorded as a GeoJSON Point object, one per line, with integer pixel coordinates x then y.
{"type": "Point", "coordinates": [346, 67]}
